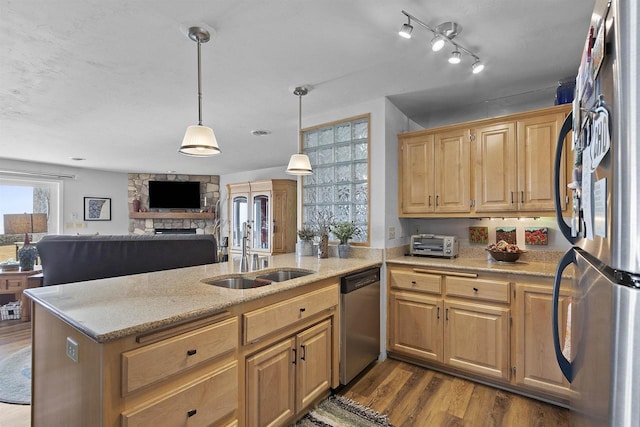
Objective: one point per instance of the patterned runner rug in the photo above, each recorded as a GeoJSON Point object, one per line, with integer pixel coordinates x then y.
{"type": "Point", "coordinates": [339, 411]}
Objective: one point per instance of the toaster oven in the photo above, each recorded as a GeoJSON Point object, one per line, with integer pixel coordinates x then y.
{"type": "Point", "coordinates": [434, 245]}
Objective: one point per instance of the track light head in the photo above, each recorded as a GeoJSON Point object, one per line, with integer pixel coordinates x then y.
{"type": "Point", "coordinates": [455, 57]}
{"type": "Point", "coordinates": [405, 30]}
{"type": "Point", "coordinates": [477, 67]}
{"type": "Point", "coordinates": [437, 43]}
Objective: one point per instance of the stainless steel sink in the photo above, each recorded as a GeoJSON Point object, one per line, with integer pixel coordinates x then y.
{"type": "Point", "coordinates": [283, 275]}
{"type": "Point", "coordinates": [239, 282]}
{"type": "Point", "coordinates": [250, 282]}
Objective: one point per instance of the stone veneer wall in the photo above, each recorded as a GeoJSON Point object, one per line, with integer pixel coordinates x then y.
{"type": "Point", "coordinates": [138, 186]}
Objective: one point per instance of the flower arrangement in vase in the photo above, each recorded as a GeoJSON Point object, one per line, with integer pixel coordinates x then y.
{"type": "Point", "coordinates": [323, 222]}
{"type": "Point", "coordinates": [344, 231]}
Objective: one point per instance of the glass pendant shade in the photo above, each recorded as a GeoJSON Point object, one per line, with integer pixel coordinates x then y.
{"type": "Point", "coordinates": [199, 141]}
{"type": "Point", "coordinates": [299, 165]}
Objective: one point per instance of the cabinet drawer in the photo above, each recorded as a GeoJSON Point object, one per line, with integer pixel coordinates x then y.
{"type": "Point", "coordinates": [12, 284]}
{"type": "Point", "coordinates": [423, 282]}
{"type": "Point", "coordinates": [261, 322]}
{"type": "Point", "coordinates": [200, 403]}
{"type": "Point", "coordinates": [488, 290]}
{"type": "Point", "coordinates": [156, 362]}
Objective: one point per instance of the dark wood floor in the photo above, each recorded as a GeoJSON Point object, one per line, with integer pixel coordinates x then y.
{"type": "Point", "coordinates": [408, 394]}
{"type": "Point", "coordinates": [414, 396]}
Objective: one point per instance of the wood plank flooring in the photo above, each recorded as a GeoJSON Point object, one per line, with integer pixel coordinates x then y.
{"type": "Point", "coordinates": [414, 396]}
{"type": "Point", "coordinates": [410, 395]}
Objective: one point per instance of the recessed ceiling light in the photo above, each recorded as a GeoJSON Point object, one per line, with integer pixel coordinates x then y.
{"type": "Point", "coordinates": [260, 132]}
{"type": "Point", "coordinates": [77, 159]}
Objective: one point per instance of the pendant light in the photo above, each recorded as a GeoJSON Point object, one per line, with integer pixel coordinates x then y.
{"type": "Point", "coordinates": [299, 163]}
{"type": "Point", "coordinates": [199, 141]}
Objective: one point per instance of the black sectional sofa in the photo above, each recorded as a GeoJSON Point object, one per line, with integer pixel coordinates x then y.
{"type": "Point", "coordinates": [67, 259]}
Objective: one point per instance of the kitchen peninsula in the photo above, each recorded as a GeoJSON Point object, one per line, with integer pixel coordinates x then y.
{"type": "Point", "coordinates": [162, 347]}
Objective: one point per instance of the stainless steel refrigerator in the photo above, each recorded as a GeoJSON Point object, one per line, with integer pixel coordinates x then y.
{"type": "Point", "coordinates": [599, 352]}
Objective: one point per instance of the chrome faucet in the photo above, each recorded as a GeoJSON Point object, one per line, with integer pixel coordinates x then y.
{"type": "Point", "coordinates": [244, 262]}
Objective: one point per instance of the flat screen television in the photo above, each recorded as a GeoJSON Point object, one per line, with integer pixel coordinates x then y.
{"type": "Point", "coordinates": [174, 195]}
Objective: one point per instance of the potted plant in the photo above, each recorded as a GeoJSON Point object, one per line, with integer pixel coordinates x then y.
{"type": "Point", "coordinates": [323, 221]}
{"type": "Point", "coordinates": [305, 245]}
{"type": "Point", "coordinates": [344, 231]}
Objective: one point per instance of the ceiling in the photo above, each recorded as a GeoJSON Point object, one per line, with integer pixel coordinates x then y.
{"type": "Point", "coordinates": [115, 82]}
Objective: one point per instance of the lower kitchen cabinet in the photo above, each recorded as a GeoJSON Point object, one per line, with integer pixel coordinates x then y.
{"type": "Point", "coordinates": [288, 376]}
{"type": "Point", "coordinates": [416, 329]}
{"type": "Point", "coordinates": [477, 338]}
{"type": "Point", "coordinates": [460, 327]}
{"type": "Point", "coordinates": [535, 359]}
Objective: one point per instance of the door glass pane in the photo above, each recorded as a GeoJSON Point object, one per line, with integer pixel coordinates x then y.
{"type": "Point", "coordinates": [261, 222]}
{"type": "Point", "coordinates": [240, 216]}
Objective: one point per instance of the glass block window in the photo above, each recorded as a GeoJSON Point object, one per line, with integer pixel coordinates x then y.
{"type": "Point", "coordinates": [339, 155]}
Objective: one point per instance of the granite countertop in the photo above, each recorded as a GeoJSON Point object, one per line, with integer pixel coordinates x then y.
{"type": "Point", "coordinates": [108, 309]}
{"type": "Point", "coordinates": [524, 268]}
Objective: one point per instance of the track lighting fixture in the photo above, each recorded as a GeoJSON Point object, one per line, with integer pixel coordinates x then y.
{"type": "Point", "coordinates": [443, 34]}
{"type": "Point", "coordinates": [406, 29]}
{"type": "Point", "coordinates": [455, 57]}
{"type": "Point", "coordinates": [437, 43]}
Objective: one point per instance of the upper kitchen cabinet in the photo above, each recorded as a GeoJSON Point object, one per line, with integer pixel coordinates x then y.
{"type": "Point", "coordinates": [268, 208]}
{"type": "Point", "coordinates": [434, 172]}
{"type": "Point", "coordinates": [511, 165]}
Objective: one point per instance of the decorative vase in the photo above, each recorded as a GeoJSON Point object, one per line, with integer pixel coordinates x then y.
{"type": "Point", "coordinates": [304, 248]}
{"type": "Point", "coordinates": [343, 250]}
{"type": "Point", "coordinates": [136, 205]}
{"type": "Point", "coordinates": [323, 246]}
{"type": "Point", "coordinates": [27, 255]}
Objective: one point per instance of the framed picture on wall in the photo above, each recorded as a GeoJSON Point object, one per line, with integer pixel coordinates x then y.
{"type": "Point", "coordinates": [97, 209]}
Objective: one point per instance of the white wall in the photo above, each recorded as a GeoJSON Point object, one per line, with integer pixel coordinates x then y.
{"type": "Point", "coordinates": [87, 183]}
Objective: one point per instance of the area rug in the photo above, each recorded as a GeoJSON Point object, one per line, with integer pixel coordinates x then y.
{"type": "Point", "coordinates": [339, 411]}
{"type": "Point", "coordinates": [15, 377]}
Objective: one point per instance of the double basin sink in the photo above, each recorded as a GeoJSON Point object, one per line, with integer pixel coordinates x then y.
{"type": "Point", "coordinates": [250, 282]}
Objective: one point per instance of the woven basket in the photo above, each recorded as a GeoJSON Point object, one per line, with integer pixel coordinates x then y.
{"type": "Point", "coordinates": [505, 256]}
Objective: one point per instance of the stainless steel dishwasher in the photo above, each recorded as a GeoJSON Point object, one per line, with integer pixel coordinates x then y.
{"type": "Point", "coordinates": [359, 322]}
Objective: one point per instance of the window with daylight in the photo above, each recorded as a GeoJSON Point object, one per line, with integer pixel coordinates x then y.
{"type": "Point", "coordinates": [339, 186]}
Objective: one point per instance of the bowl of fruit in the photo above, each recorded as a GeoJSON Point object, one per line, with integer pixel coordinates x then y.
{"type": "Point", "coordinates": [505, 252]}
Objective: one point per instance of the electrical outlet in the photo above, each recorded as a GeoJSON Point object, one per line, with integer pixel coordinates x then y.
{"type": "Point", "coordinates": [72, 349]}
{"type": "Point", "coordinates": [392, 233]}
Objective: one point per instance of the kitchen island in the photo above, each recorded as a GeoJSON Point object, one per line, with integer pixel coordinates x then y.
{"type": "Point", "coordinates": [166, 347]}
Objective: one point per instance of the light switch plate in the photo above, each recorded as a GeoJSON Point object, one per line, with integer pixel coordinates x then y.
{"type": "Point", "coordinates": [72, 349]}
{"type": "Point", "coordinates": [392, 233]}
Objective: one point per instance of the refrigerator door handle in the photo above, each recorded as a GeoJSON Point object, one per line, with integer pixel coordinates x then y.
{"type": "Point", "coordinates": [565, 366]}
{"type": "Point", "coordinates": [564, 131]}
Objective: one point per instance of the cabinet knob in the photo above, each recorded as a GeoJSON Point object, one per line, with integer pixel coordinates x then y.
{"type": "Point", "coordinates": [475, 289]}
{"type": "Point", "coordinates": [191, 413]}
{"type": "Point", "coordinates": [413, 282]}
{"type": "Point", "coordinates": [191, 352]}
{"type": "Point", "coordinates": [302, 310]}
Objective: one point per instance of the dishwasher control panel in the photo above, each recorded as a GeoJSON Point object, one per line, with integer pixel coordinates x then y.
{"type": "Point", "coordinates": [358, 280]}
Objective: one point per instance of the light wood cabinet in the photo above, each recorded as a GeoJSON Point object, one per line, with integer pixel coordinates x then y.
{"type": "Point", "coordinates": [509, 170]}
{"type": "Point", "coordinates": [465, 326]}
{"type": "Point", "coordinates": [288, 376]}
{"type": "Point", "coordinates": [434, 172]}
{"type": "Point", "coordinates": [535, 361]}
{"type": "Point", "coordinates": [477, 338]}
{"type": "Point", "coordinates": [269, 209]}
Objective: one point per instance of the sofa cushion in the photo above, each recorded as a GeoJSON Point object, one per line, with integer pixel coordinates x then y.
{"type": "Point", "coordinates": [67, 259]}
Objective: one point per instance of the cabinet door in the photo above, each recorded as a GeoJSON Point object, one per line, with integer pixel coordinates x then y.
{"type": "Point", "coordinates": [495, 168]}
{"type": "Point", "coordinates": [270, 385]}
{"type": "Point", "coordinates": [452, 167]}
{"type": "Point", "coordinates": [537, 138]}
{"type": "Point", "coordinates": [261, 215]}
{"type": "Point", "coordinates": [239, 211]}
{"type": "Point", "coordinates": [416, 180]}
{"type": "Point", "coordinates": [477, 339]}
{"type": "Point", "coordinates": [313, 364]}
{"type": "Point", "coordinates": [535, 360]}
{"type": "Point", "coordinates": [415, 325]}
